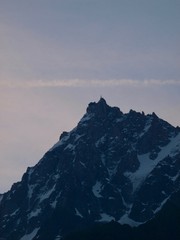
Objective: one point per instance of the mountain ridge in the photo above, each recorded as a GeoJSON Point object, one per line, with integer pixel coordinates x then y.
{"type": "Point", "coordinates": [111, 166]}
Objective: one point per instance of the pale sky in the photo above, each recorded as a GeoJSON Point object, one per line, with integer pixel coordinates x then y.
{"type": "Point", "coordinates": [56, 56]}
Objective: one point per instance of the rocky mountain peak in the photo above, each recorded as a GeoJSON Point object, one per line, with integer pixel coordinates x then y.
{"type": "Point", "coordinates": [101, 109]}
{"type": "Point", "coordinates": [112, 166]}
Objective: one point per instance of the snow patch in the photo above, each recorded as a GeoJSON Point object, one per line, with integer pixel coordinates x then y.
{"type": "Point", "coordinates": [78, 137]}
{"type": "Point", "coordinates": [161, 205]}
{"type": "Point", "coordinates": [118, 120]}
{"type": "Point", "coordinates": [82, 164]}
{"type": "Point", "coordinates": [96, 189]}
{"type": "Point", "coordinates": [78, 213]}
{"type": "Point", "coordinates": [111, 198]}
{"type": "Point", "coordinates": [100, 141]}
{"type": "Point", "coordinates": [31, 235]}
{"type": "Point", "coordinates": [147, 164]}
{"type": "Point", "coordinates": [175, 177]}
{"type": "Point", "coordinates": [147, 126]}
{"type": "Point", "coordinates": [34, 213]}
{"type": "Point", "coordinates": [70, 147]}
{"type": "Point", "coordinates": [103, 159]}
{"type": "Point", "coordinates": [171, 148]}
{"type": "Point", "coordinates": [126, 220]}
{"type": "Point", "coordinates": [1, 197]}
{"type": "Point", "coordinates": [56, 177]}
{"type": "Point", "coordinates": [174, 146]}
{"type": "Point", "coordinates": [58, 237]}
{"type": "Point", "coordinates": [47, 194]}
{"type": "Point", "coordinates": [53, 204]}
{"type": "Point", "coordinates": [30, 190]}
{"type": "Point", "coordinates": [14, 213]}
{"type": "Point", "coordinates": [30, 171]}
{"type": "Point", "coordinates": [105, 218]}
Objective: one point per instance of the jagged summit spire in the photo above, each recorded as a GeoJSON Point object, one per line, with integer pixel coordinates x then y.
{"type": "Point", "coordinates": [100, 107]}
{"type": "Point", "coordinates": [102, 103]}
{"type": "Point", "coordinates": [102, 100]}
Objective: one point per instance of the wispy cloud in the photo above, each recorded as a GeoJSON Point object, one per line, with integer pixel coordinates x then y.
{"type": "Point", "coordinates": [87, 83]}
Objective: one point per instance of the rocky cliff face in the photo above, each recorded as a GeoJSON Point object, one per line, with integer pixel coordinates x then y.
{"type": "Point", "coordinates": [111, 166]}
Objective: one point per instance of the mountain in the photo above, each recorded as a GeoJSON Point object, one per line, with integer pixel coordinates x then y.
{"type": "Point", "coordinates": [111, 166]}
